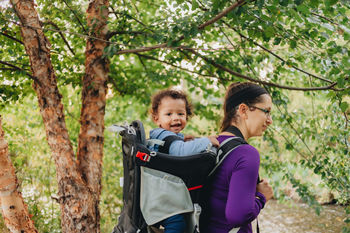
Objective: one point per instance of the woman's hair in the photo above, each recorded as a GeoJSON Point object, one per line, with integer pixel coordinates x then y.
{"type": "Point", "coordinates": [235, 95]}
{"type": "Point", "coordinates": [175, 94]}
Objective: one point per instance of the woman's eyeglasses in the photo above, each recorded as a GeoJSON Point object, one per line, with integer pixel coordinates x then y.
{"type": "Point", "coordinates": [267, 112]}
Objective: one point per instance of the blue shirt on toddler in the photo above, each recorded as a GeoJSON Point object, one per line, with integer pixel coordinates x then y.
{"type": "Point", "coordinates": [179, 147]}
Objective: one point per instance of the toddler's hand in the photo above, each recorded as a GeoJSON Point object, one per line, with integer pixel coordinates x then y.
{"type": "Point", "coordinates": [188, 138]}
{"type": "Point", "coordinates": [214, 141]}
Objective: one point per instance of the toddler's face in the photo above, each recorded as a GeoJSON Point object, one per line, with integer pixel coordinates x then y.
{"type": "Point", "coordinates": [172, 114]}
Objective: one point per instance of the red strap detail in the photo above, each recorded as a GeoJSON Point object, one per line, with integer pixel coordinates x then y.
{"type": "Point", "coordinates": [195, 187]}
{"type": "Point", "coordinates": [143, 156]}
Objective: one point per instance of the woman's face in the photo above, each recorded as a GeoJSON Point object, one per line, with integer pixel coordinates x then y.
{"type": "Point", "coordinates": [258, 116]}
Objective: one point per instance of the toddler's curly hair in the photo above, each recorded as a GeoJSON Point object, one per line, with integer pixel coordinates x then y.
{"type": "Point", "coordinates": [175, 94]}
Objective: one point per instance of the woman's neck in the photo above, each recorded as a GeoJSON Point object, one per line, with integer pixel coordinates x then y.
{"type": "Point", "coordinates": [241, 128]}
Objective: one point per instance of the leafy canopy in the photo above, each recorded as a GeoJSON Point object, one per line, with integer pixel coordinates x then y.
{"type": "Point", "coordinates": [285, 45]}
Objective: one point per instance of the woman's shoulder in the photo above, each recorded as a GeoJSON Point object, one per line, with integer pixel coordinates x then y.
{"type": "Point", "coordinates": [246, 148]}
{"type": "Point", "coordinates": [223, 138]}
{"type": "Point", "coordinates": [242, 149]}
{"type": "Point", "coordinates": [244, 156]}
{"type": "Point", "coordinates": [244, 153]}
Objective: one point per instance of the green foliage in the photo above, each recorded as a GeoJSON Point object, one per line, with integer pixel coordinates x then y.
{"type": "Point", "coordinates": [2, 225]}
{"type": "Point", "coordinates": [309, 148]}
{"type": "Point", "coordinates": [294, 43]}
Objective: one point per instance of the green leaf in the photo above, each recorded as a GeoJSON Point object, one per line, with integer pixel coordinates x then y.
{"type": "Point", "coordinates": [315, 3]}
{"type": "Point", "coordinates": [289, 146]}
{"type": "Point", "coordinates": [269, 32]}
{"type": "Point", "coordinates": [195, 4]}
{"type": "Point", "coordinates": [340, 82]}
{"type": "Point", "coordinates": [277, 41]}
{"type": "Point", "coordinates": [293, 44]}
{"type": "Point", "coordinates": [344, 106]}
{"type": "Point", "coordinates": [330, 2]}
{"type": "Point", "coordinates": [283, 2]}
{"type": "Point", "coordinates": [304, 9]}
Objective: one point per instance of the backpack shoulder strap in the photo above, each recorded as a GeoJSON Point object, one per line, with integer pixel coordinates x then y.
{"type": "Point", "coordinates": [167, 142]}
{"type": "Point", "coordinates": [226, 147]}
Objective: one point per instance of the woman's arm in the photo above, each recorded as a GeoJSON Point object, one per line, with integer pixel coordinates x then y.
{"type": "Point", "coordinates": [243, 202]}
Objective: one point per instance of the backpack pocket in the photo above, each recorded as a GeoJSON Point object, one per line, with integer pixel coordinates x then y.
{"type": "Point", "coordinates": [162, 195]}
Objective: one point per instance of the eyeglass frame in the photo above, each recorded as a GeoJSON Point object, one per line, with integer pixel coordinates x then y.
{"type": "Point", "coordinates": [267, 112]}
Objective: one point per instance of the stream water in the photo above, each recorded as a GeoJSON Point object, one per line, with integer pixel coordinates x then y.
{"type": "Point", "coordinates": [300, 218]}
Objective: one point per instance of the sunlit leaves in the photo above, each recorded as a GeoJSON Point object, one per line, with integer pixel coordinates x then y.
{"type": "Point", "coordinates": [298, 43]}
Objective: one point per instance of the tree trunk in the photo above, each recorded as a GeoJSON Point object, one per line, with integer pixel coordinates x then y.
{"type": "Point", "coordinates": [78, 203]}
{"type": "Point", "coordinates": [14, 210]}
{"type": "Point", "coordinates": [91, 137]}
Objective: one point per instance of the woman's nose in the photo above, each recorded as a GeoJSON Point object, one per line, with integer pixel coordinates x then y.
{"type": "Point", "coordinates": [269, 120]}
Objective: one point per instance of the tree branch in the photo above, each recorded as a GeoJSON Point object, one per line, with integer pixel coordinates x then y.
{"type": "Point", "coordinates": [55, 30]}
{"type": "Point", "coordinates": [143, 49]}
{"type": "Point", "coordinates": [228, 39]}
{"type": "Point", "coordinates": [289, 142]}
{"type": "Point", "coordinates": [175, 66]}
{"type": "Point", "coordinates": [222, 14]}
{"type": "Point", "coordinates": [11, 37]}
{"type": "Point", "coordinates": [291, 34]}
{"type": "Point", "coordinates": [200, 5]}
{"type": "Point", "coordinates": [11, 65]}
{"type": "Point", "coordinates": [134, 5]}
{"type": "Point", "coordinates": [221, 67]}
{"type": "Point", "coordinates": [116, 87]}
{"type": "Point", "coordinates": [138, 21]}
{"type": "Point", "coordinates": [325, 18]}
{"type": "Point", "coordinates": [14, 67]}
{"type": "Point", "coordinates": [143, 64]}
{"type": "Point", "coordinates": [10, 69]}
{"type": "Point", "coordinates": [275, 55]}
{"type": "Point", "coordinates": [75, 15]}
{"type": "Point", "coordinates": [201, 27]}
{"type": "Point", "coordinates": [111, 34]}
{"type": "Point", "coordinates": [61, 34]}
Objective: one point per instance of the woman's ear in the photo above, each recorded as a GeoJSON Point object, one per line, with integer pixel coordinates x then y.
{"type": "Point", "coordinates": [242, 110]}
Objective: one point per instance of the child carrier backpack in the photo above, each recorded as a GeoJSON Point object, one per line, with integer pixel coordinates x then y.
{"type": "Point", "coordinates": [157, 174]}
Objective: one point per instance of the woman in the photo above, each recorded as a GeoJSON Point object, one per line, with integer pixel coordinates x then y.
{"type": "Point", "coordinates": [236, 196]}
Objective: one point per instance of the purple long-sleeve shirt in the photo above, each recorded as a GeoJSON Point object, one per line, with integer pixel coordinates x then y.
{"type": "Point", "coordinates": [234, 201]}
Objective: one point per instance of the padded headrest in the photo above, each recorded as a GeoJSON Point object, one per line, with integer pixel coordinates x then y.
{"type": "Point", "coordinates": [140, 131]}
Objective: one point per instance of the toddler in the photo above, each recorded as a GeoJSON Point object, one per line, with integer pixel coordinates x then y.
{"type": "Point", "coordinates": [170, 111]}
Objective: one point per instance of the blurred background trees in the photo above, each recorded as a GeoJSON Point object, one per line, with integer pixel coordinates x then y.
{"type": "Point", "coordinates": [299, 50]}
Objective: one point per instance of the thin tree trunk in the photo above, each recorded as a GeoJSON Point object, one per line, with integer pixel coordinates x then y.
{"type": "Point", "coordinates": [14, 210]}
{"type": "Point", "coordinates": [91, 137]}
{"type": "Point", "coordinates": [77, 202]}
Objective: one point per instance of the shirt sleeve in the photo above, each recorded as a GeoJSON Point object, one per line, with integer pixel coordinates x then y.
{"type": "Point", "coordinates": [195, 146]}
{"type": "Point", "coordinates": [179, 147]}
{"type": "Point", "coordinates": [243, 202]}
